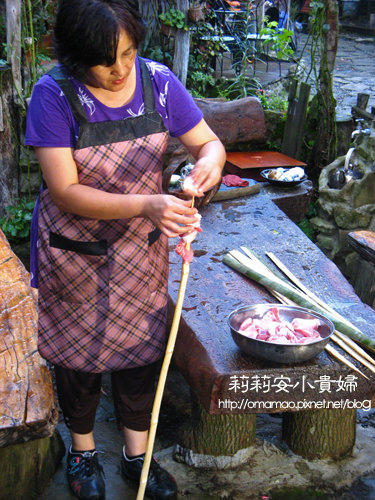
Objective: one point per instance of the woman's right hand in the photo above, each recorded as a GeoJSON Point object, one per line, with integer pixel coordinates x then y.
{"type": "Point", "coordinates": [170, 214]}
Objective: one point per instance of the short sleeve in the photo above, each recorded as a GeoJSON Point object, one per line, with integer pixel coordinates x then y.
{"type": "Point", "coordinates": [183, 112]}
{"type": "Point", "coordinates": [49, 122]}
{"type": "Point", "coordinates": [173, 102]}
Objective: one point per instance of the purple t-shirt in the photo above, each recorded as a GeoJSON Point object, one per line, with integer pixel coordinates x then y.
{"type": "Point", "coordinates": [50, 121]}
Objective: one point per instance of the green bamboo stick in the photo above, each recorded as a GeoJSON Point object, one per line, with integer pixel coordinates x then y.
{"type": "Point", "coordinates": [233, 260]}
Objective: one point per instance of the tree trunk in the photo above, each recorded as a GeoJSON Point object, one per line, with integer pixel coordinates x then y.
{"type": "Point", "coordinates": [326, 140]}
{"type": "Point", "coordinates": [181, 48]}
{"type": "Point", "coordinates": [27, 468]}
{"type": "Point", "coordinates": [9, 149]}
{"type": "Point", "coordinates": [218, 434]}
{"type": "Point", "coordinates": [325, 433]}
{"type": "Point", "coordinates": [13, 13]}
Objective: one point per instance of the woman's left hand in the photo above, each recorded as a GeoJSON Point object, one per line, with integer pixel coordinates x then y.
{"type": "Point", "coordinates": [205, 175]}
{"type": "Point", "coordinates": [209, 152]}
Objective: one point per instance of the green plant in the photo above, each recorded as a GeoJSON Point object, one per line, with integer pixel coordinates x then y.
{"type": "Point", "coordinates": [16, 224]}
{"type": "Point", "coordinates": [175, 18]}
{"type": "Point", "coordinates": [279, 39]}
{"type": "Point", "coordinates": [205, 43]}
{"type": "Point", "coordinates": [200, 82]}
{"type": "Point", "coordinates": [241, 86]}
{"type": "Point", "coordinates": [272, 101]}
{"type": "Point", "coordinates": [156, 53]}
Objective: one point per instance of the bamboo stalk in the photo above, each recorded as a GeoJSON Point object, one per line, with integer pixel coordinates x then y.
{"type": "Point", "coordinates": [356, 347]}
{"type": "Point", "coordinates": [162, 380]}
{"type": "Point", "coordinates": [163, 377]}
{"type": "Point", "coordinates": [318, 301]}
{"type": "Point", "coordinates": [299, 297]}
{"type": "Point", "coordinates": [300, 285]}
{"type": "Point", "coordinates": [337, 355]}
{"type": "Point", "coordinates": [353, 353]}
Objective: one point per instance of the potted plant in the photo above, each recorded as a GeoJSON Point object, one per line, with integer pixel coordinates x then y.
{"type": "Point", "coordinates": [195, 12]}
{"type": "Point", "coordinates": [172, 20]}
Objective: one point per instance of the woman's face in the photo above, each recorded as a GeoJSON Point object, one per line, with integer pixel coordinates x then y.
{"type": "Point", "coordinates": [114, 78]}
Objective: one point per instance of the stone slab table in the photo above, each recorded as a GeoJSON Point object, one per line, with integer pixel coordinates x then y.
{"type": "Point", "coordinates": [226, 384]}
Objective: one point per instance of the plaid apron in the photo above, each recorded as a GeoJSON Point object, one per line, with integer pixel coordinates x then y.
{"type": "Point", "coordinates": [103, 283]}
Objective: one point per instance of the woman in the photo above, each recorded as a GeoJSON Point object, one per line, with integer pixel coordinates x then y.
{"type": "Point", "coordinates": [99, 124]}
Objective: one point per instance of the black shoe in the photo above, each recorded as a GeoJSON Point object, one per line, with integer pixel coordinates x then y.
{"type": "Point", "coordinates": [160, 484]}
{"type": "Point", "coordinates": [85, 475]}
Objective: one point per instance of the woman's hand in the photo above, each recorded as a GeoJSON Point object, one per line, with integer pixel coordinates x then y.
{"type": "Point", "coordinates": [210, 157]}
{"type": "Point", "coordinates": [171, 215]}
{"type": "Point", "coordinates": [205, 175]}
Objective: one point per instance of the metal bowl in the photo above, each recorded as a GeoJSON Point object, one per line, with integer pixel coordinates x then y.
{"type": "Point", "coordinates": [281, 353]}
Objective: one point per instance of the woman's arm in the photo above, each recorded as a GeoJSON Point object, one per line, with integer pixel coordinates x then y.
{"type": "Point", "coordinates": [210, 156]}
{"type": "Point", "coordinates": [170, 214]}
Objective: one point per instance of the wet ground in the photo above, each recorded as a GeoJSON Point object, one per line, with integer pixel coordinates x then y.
{"type": "Point", "coordinates": [270, 472]}
{"type": "Point", "coordinates": [270, 465]}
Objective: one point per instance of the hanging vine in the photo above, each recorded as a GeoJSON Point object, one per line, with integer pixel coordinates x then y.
{"type": "Point", "coordinates": [322, 40]}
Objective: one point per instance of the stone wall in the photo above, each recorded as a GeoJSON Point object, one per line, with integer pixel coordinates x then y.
{"type": "Point", "coordinates": [350, 208]}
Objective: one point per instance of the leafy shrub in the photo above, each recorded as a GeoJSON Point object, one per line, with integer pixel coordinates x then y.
{"type": "Point", "coordinates": [16, 224]}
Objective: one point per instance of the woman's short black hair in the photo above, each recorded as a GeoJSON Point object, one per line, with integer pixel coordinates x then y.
{"type": "Point", "coordinates": [86, 32]}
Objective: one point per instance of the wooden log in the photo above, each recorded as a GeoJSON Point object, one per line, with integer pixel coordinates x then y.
{"type": "Point", "coordinates": [181, 47]}
{"type": "Point", "coordinates": [9, 150]}
{"type": "Point", "coordinates": [235, 121]}
{"type": "Point", "coordinates": [27, 468]}
{"type": "Point", "coordinates": [218, 434]}
{"type": "Point", "coordinates": [28, 409]}
{"type": "Point", "coordinates": [13, 13]}
{"type": "Point", "coordinates": [323, 433]}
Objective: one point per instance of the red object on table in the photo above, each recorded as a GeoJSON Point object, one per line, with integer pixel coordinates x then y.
{"type": "Point", "coordinates": [234, 180]}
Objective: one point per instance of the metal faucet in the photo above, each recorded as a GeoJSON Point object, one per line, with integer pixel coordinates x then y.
{"type": "Point", "coordinates": [360, 130]}
{"type": "Point", "coordinates": [366, 131]}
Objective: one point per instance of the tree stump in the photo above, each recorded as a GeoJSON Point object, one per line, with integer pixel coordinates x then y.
{"type": "Point", "coordinates": [218, 434]}
{"type": "Point", "coordinates": [26, 469]}
{"type": "Point", "coordinates": [325, 433]}
{"type": "Point", "coordinates": [29, 449]}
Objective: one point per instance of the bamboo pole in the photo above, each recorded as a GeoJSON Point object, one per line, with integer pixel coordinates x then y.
{"type": "Point", "coordinates": [163, 377]}
{"type": "Point", "coordinates": [341, 358]}
{"type": "Point", "coordinates": [162, 380]}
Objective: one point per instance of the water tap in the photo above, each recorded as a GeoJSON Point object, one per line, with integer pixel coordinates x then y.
{"type": "Point", "coordinates": [360, 130]}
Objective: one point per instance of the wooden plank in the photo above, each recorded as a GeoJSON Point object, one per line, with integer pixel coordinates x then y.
{"type": "Point", "coordinates": [262, 159]}
{"type": "Point", "coordinates": [296, 119]}
{"type": "Point", "coordinates": [230, 193]}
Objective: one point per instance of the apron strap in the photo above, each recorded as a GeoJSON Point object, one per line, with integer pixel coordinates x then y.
{"type": "Point", "coordinates": [147, 88]}
{"type": "Point", "coordinates": [62, 79]}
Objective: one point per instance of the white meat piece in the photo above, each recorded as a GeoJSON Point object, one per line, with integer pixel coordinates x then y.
{"type": "Point", "coordinates": [188, 186]}
{"type": "Point", "coordinates": [190, 237]}
{"type": "Point", "coordinates": [294, 174]}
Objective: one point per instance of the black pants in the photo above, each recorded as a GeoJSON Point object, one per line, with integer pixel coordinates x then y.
{"type": "Point", "coordinates": [132, 391]}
